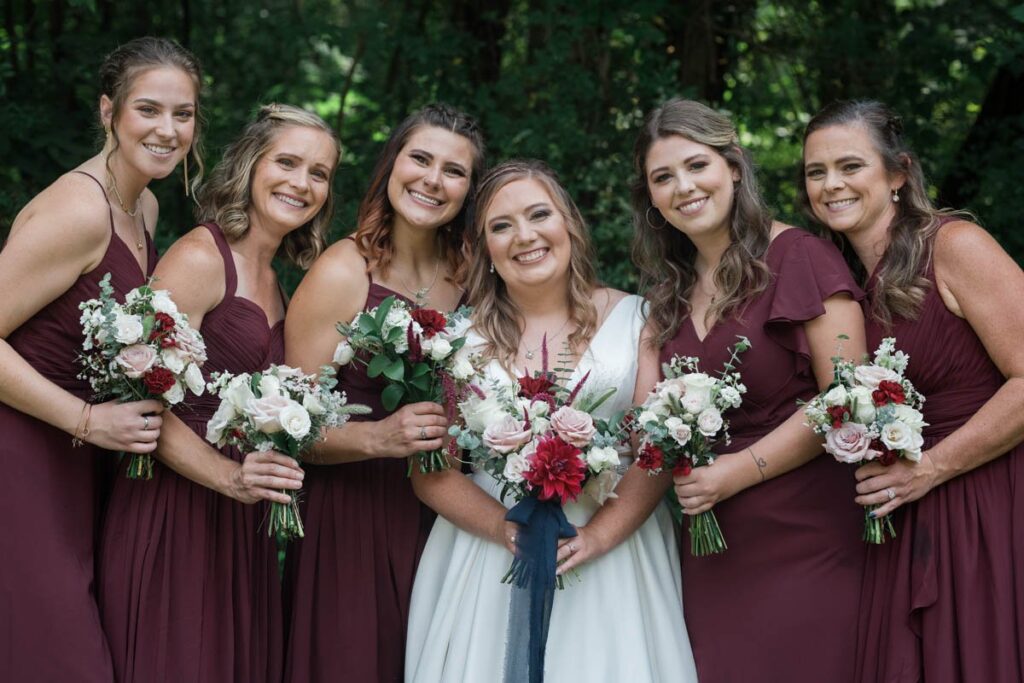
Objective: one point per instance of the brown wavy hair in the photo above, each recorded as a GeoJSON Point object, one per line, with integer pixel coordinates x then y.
{"type": "Point", "coordinates": [227, 197]}
{"type": "Point", "coordinates": [121, 67]}
{"type": "Point", "coordinates": [902, 283]}
{"type": "Point", "coordinates": [373, 221]}
{"type": "Point", "coordinates": [665, 256]}
{"type": "Point", "coordinates": [496, 317]}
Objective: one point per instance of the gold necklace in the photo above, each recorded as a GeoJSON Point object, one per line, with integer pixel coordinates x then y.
{"type": "Point", "coordinates": [141, 241]}
{"type": "Point", "coordinates": [420, 295]}
{"type": "Point", "coordinates": [530, 353]}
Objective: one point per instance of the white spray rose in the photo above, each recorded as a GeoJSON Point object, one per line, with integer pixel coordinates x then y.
{"type": "Point", "coordinates": [898, 435]}
{"type": "Point", "coordinates": [219, 422]}
{"type": "Point", "coordinates": [238, 392]}
{"type": "Point", "coordinates": [872, 375]}
{"type": "Point", "coordinates": [128, 328]}
{"type": "Point", "coordinates": [678, 430]}
{"type": "Point", "coordinates": [311, 402]}
{"type": "Point", "coordinates": [909, 416]}
{"type": "Point", "coordinates": [194, 379]}
{"type": "Point", "coordinates": [173, 359]}
{"type": "Point", "coordinates": [480, 412]}
{"type": "Point", "coordinates": [344, 353]}
{"type": "Point", "coordinates": [601, 458]}
{"type": "Point", "coordinates": [836, 396]}
{"type": "Point", "coordinates": [864, 407]}
{"type": "Point", "coordinates": [163, 303]}
{"type": "Point", "coordinates": [515, 465]}
{"type": "Point", "coordinates": [698, 391]}
{"type": "Point", "coordinates": [270, 386]}
{"type": "Point", "coordinates": [175, 394]}
{"type": "Point", "coordinates": [709, 422]}
{"type": "Point", "coordinates": [294, 420]}
{"type": "Point", "coordinates": [440, 348]}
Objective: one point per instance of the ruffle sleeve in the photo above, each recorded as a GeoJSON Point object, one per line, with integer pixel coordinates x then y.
{"type": "Point", "coordinates": [808, 270]}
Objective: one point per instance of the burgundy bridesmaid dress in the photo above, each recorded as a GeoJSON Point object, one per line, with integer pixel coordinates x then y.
{"type": "Point", "coordinates": [349, 581]}
{"type": "Point", "coordinates": [49, 624]}
{"type": "Point", "coordinates": [944, 601]}
{"type": "Point", "coordinates": [189, 587]}
{"type": "Point", "coordinates": [781, 603]}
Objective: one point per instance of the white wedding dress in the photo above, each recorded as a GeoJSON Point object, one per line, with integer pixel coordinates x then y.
{"type": "Point", "coordinates": [621, 620]}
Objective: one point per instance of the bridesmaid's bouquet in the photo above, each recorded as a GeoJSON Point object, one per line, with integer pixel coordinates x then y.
{"type": "Point", "coordinates": [278, 409]}
{"type": "Point", "coordinates": [681, 420]}
{"type": "Point", "coordinates": [870, 411]}
{"type": "Point", "coordinates": [420, 353]}
{"type": "Point", "coordinates": [141, 349]}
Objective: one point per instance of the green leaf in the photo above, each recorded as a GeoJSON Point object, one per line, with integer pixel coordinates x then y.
{"type": "Point", "coordinates": [383, 310]}
{"type": "Point", "coordinates": [392, 396]}
{"type": "Point", "coordinates": [395, 370]}
{"type": "Point", "coordinates": [367, 325]}
{"type": "Point", "coordinates": [421, 383]}
{"type": "Point", "coordinates": [394, 334]}
{"type": "Point", "coordinates": [377, 365]}
{"type": "Point", "coordinates": [419, 370]}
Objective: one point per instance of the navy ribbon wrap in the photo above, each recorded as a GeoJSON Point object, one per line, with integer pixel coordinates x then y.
{"type": "Point", "coordinates": [532, 575]}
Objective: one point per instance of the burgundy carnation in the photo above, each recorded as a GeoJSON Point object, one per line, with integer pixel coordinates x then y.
{"type": "Point", "coordinates": [557, 469]}
{"type": "Point", "coordinates": [888, 392]}
{"type": "Point", "coordinates": [158, 380]}
{"type": "Point", "coordinates": [535, 387]}
{"type": "Point", "coordinates": [430, 321]}
{"type": "Point", "coordinates": [839, 415]}
{"type": "Point", "coordinates": [886, 456]}
{"type": "Point", "coordinates": [683, 468]}
{"type": "Point", "coordinates": [651, 458]}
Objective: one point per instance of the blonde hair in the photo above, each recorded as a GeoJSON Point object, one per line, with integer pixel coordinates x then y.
{"type": "Point", "coordinates": [496, 317]}
{"type": "Point", "coordinates": [665, 256]}
{"type": "Point", "coordinates": [226, 198]}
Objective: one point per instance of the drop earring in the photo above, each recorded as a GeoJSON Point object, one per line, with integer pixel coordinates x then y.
{"type": "Point", "coordinates": [895, 196]}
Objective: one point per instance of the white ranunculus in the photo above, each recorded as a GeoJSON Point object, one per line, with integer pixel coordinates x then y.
{"type": "Point", "coordinates": [871, 375]}
{"type": "Point", "coordinates": [295, 420]}
{"type": "Point", "coordinates": [312, 403]}
{"type": "Point", "coordinates": [173, 359]}
{"type": "Point", "coordinates": [344, 353]}
{"type": "Point", "coordinates": [163, 303]}
{"type": "Point", "coordinates": [515, 465]}
{"type": "Point", "coordinates": [238, 392]}
{"type": "Point", "coordinates": [863, 406]}
{"type": "Point", "coordinates": [440, 348]}
{"type": "Point", "coordinates": [194, 379]}
{"type": "Point", "coordinates": [678, 430]}
{"type": "Point", "coordinates": [900, 436]}
{"type": "Point", "coordinates": [698, 391]}
{"type": "Point", "coordinates": [270, 386]}
{"type": "Point", "coordinates": [909, 416]}
{"type": "Point", "coordinates": [128, 328]}
{"type": "Point", "coordinates": [709, 422]}
{"type": "Point", "coordinates": [602, 458]}
{"type": "Point", "coordinates": [480, 412]}
{"type": "Point", "coordinates": [836, 396]}
{"type": "Point", "coordinates": [175, 394]}
{"type": "Point", "coordinates": [730, 396]}
{"type": "Point", "coordinates": [219, 422]}
{"type": "Point", "coordinates": [602, 487]}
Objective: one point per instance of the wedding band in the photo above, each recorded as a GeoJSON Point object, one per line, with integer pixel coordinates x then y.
{"type": "Point", "coordinates": [423, 433]}
{"type": "Point", "coordinates": [572, 547]}
{"type": "Point", "coordinates": [145, 422]}
{"type": "Point", "coordinates": [889, 492]}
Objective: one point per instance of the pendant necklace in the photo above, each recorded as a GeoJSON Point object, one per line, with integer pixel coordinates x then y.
{"type": "Point", "coordinates": [140, 242]}
{"type": "Point", "coordinates": [530, 353]}
{"type": "Point", "coordinates": [420, 295]}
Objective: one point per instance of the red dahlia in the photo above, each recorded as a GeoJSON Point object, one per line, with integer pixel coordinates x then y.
{"type": "Point", "coordinates": [888, 392]}
{"type": "Point", "coordinates": [557, 469]}
{"type": "Point", "coordinates": [158, 380]}
{"type": "Point", "coordinates": [535, 387]}
{"type": "Point", "coordinates": [651, 457]}
{"type": "Point", "coordinates": [430, 321]}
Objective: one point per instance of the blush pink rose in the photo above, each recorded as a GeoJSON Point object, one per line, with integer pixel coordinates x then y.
{"type": "Point", "coordinates": [135, 360]}
{"type": "Point", "coordinates": [850, 443]}
{"type": "Point", "coordinates": [573, 426]}
{"type": "Point", "coordinates": [507, 434]}
{"type": "Point", "coordinates": [266, 412]}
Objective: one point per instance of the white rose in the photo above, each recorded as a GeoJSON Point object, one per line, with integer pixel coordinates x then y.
{"type": "Point", "coordinates": [175, 394]}
{"type": "Point", "coordinates": [219, 422]}
{"type": "Point", "coordinates": [909, 416]}
{"type": "Point", "coordinates": [344, 353]}
{"type": "Point", "coordinates": [515, 465]}
{"type": "Point", "coordinates": [194, 379]}
{"type": "Point", "coordinates": [533, 408]}
{"type": "Point", "coordinates": [294, 420]}
{"type": "Point", "coordinates": [128, 328]}
{"type": "Point", "coordinates": [863, 406]}
{"type": "Point", "coordinates": [480, 412]}
{"type": "Point", "coordinates": [646, 416]}
{"type": "Point", "coordinates": [709, 422]}
{"type": "Point", "coordinates": [266, 412]}
{"type": "Point", "coordinates": [671, 388]}
{"type": "Point", "coordinates": [871, 375]}
{"type": "Point", "coordinates": [698, 391]}
{"type": "Point", "coordinates": [462, 366]}
{"type": "Point", "coordinates": [163, 303]}
{"type": "Point", "coordinates": [270, 386]}
{"type": "Point", "coordinates": [440, 348]}
{"type": "Point", "coordinates": [311, 402]}
{"type": "Point", "coordinates": [836, 396]}
{"type": "Point", "coordinates": [678, 430]}
{"type": "Point", "coordinates": [602, 487]}
{"type": "Point", "coordinates": [900, 436]}
{"type": "Point", "coordinates": [173, 360]}
{"type": "Point", "coordinates": [602, 458]}
{"type": "Point", "coordinates": [238, 392]}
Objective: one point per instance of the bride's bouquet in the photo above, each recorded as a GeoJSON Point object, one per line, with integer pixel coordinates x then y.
{"type": "Point", "coordinates": [278, 409]}
{"type": "Point", "coordinates": [870, 411]}
{"type": "Point", "coordinates": [141, 349]}
{"type": "Point", "coordinates": [681, 420]}
{"type": "Point", "coordinates": [420, 354]}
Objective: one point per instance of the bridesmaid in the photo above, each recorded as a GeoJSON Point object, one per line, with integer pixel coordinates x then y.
{"type": "Point", "coordinates": [944, 600]}
{"type": "Point", "coordinates": [715, 266]}
{"type": "Point", "coordinates": [95, 220]}
{"type": "Point", "coordinates": [349, 580]}
{"type": "Point", "coordinates": [189, 585]}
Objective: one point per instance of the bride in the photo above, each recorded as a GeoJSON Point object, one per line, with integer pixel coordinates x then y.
{"type": "Point", "coordinates": [532, 277]}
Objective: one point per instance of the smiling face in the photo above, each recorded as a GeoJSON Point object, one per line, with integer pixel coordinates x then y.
{"type": "Point", "coordinates": [691, 185]}
{"type": "Point", "coordinates": [527, 236]}
{"type": "Point", "coordinates": [156, 125]}
{"type": "Point", "coordinates": [430, 178]}
{"type": "Point", "coordinates": [292, 179]}
{"type": "Point", "coordinates": [847, 183]}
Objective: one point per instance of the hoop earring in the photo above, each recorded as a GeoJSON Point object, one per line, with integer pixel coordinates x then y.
{"type": "Point", "coordinates": [647, 219]}
{"type": "Point", "coordinates": [187, 188]}
{"type": "Point", "coordinates": [895, 196]}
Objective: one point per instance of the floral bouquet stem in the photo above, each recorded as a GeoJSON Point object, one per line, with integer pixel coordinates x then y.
{"type": "Point", "coordinates": [140, 466]}
{"type": "Point", "coordinates": [285, 520]}
{"type": "Point", "coordinates": [877, 528]}
{"type": "Point", "coordinates": [705, 535]}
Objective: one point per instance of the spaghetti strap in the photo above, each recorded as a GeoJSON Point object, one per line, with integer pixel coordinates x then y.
{"type": "Point", "coordinates": [369, 276]}
{"type": "Point", "coordinates": [110, 208]}
{"type": "Point", "coordinates": [230, 275]}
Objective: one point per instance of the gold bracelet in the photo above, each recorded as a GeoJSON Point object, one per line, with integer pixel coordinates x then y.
{"type": "Point", "coordinates": [82, 428]}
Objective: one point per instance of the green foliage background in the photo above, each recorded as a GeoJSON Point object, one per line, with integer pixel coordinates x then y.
{"type": "Point", "coordinates": [566, 82]}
